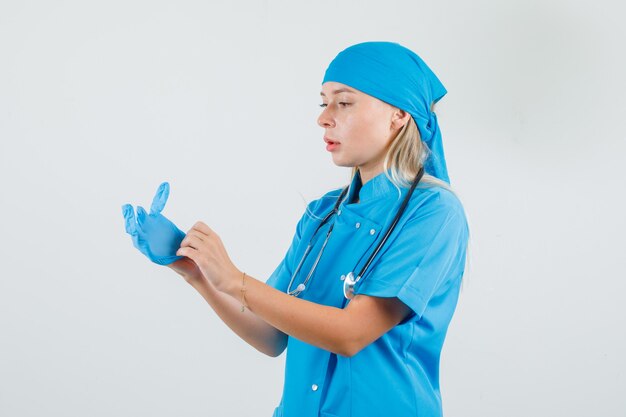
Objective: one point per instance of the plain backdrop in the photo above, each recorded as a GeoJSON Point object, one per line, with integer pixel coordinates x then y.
{"type": "Point", "coordinates": [102, 101]}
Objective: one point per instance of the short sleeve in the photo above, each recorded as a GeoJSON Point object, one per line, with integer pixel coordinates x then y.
{"type": "Point", "coordinates": [282, 274]}
{"type": "Point", "coordinates": [428, 252]}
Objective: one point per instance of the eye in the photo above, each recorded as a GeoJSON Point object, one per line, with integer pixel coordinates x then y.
{"type": "Point", "coordinates": [341, 103]}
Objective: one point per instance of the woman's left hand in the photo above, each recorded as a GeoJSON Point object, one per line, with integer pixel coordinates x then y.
{"type": "Point", "coordinates": [203, 246]}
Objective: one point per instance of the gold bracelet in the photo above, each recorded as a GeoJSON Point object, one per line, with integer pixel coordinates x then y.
{"type": "Point", "coordinates": [243, 293]}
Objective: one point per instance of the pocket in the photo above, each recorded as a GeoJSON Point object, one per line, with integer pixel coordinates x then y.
{"type": "Point", "coordinates": [355, 239]}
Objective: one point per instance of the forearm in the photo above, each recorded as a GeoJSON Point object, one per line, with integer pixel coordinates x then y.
{"type": "Point", "coordinates": [319, 325]}
{"type": "Point", "coordinates": [276, 314]}
{"type": "Point", "coordinates": [256, 332]}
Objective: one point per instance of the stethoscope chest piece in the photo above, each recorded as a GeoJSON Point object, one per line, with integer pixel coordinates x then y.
{"type": "Point", "coordinates": [348, 285]}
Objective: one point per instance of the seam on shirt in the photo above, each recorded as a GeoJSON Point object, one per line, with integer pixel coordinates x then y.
{"type": "Point", "coordinates": [350, 388]}
{"type": "Point", "coordinates": [406, 294]}
{"type": "Point", "coordinates": [406, 365]}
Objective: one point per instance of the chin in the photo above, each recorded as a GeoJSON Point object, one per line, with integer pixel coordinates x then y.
{"type": "Point", "coordinates": [340, 162]}
{"type": "Point", "coordinates": [343, 164]}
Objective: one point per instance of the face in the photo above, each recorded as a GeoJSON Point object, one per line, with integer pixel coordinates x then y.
{"type": "Point", "coordinates": [360, 126]}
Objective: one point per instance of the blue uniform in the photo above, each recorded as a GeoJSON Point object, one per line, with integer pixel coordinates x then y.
{"type": "Point", "coordinates": [421, 263]}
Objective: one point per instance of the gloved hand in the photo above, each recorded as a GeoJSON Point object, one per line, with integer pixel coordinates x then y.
{"type": "Point", "coordinates": [153, 234]}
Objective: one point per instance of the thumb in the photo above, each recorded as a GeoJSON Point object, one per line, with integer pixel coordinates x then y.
{"type": "Point", "coordinates": [160, 198]}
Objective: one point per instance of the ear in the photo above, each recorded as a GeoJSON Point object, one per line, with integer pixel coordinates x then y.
{"type": "Point", "coordinates": [399, 118]}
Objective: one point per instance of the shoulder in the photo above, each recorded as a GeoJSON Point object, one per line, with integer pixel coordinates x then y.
{"type": "Point", "coordinates": [436, 196]}
{"type": "Point", "coordinates": [436, 204]}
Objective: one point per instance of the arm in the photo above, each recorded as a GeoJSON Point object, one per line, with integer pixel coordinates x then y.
{"type": "Point", "coordinates": [247, 325]}
{"type": "Point", "coordinates": [342, 331]}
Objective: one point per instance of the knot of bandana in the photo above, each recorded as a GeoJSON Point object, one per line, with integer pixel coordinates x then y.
{"type": "Point", "coordinates": [432, 121]}
{"type": "Point", "coordinates": [396, 75]}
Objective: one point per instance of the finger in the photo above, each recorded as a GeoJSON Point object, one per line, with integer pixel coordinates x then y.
{"type": "Point", "coordinates": [192, 241]}
{"type": "Point", "coordinates": [160, 198]}
{"type": "Point", "coordinates": [201, 236]}
{"type": "Point", "coordinates": [187, 251]}
{"type": "Point", "coordinates": [129, 219]}
{"type": "Point", "coordinates": [201, 227]}
{"type": "Point", "coordinates": [141, 216]}
{"type": "Point", "coordinates": [193, 231]}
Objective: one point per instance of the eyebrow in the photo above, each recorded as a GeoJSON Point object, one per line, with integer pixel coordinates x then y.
{"type": "Point", "coordinates": [341, 90]}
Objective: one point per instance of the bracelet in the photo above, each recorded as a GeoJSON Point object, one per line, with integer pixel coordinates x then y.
{"type": "Point", "coordinates": [243, 293]}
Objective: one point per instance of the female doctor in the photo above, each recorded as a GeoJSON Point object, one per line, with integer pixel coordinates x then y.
{"type": "Point", "coordinates": [364, 295]}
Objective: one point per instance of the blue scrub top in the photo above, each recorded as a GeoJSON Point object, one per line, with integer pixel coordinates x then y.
{"type": "Point", "coordinates": [421, 263]}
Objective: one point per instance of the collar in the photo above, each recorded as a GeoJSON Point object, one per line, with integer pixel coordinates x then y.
{"type": "Point", "coordinates": [376, 187]}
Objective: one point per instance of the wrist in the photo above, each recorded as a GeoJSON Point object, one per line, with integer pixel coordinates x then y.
{"type": "Point", "coordinates": [231, 284]}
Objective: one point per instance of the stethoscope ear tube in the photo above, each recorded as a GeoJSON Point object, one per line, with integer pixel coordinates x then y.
{"type": "Point", "coordinates": [350, 281]}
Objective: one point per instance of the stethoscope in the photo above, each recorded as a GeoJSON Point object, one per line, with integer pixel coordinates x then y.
{"type": "Point", "coordinates": [349, 281]}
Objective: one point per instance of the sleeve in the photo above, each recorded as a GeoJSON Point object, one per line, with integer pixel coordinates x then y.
{"type": "Point", "coordinates": [282, 274]}
{"type": "Point", "coordinates": [428, 252]}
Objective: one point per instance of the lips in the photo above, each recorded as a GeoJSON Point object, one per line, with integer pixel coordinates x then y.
{"type": "Point", "coordinates": [331, 144]}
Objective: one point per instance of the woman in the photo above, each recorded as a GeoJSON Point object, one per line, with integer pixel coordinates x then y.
{"type": "Point", "coordinates": [369, 348]}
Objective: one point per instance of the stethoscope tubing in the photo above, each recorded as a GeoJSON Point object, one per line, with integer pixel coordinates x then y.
{"type": "Point", "coordinates": [304, 283]}
{"type": "Point", "coordinates": [351, 280]}
{"type": "Point", "coordinates": [418, 177]}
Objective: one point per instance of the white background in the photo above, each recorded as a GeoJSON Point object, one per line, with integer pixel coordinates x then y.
{"type": "Point", "coordinates": [102, 101]}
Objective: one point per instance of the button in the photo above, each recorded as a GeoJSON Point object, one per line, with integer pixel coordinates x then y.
{"type": "Point", "coordinates": [372, 231]}
{"type": "Point", "coordinates": [314, 387]}
{"type": "Point", "coordinates": [339, 212]}
{"type": "Point", "coordinates": [357, 225]}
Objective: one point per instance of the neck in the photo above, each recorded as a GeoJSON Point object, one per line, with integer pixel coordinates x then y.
{"type": "Point", "coordinates": [369, 173]}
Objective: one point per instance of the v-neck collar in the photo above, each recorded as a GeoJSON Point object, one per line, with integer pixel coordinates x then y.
{"type": "Point", "coordinates": [378, 186]}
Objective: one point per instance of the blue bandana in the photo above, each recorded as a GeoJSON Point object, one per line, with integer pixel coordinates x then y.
{"type": "Point", "coordinates": [396, 75]}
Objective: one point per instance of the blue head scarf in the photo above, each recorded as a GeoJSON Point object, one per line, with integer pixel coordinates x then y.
{"type": "Point", "coordinates": [396, 75]}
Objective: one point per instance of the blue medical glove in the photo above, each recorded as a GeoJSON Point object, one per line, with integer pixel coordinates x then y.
{"type": "Point", "coordinates": [153, 234]}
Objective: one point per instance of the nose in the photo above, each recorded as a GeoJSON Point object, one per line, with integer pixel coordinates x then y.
{"type": "Point", "coordinates": [325, 119]}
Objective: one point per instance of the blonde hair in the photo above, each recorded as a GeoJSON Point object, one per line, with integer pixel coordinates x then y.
{"type": "Point", "coordinates": [405, 156]}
